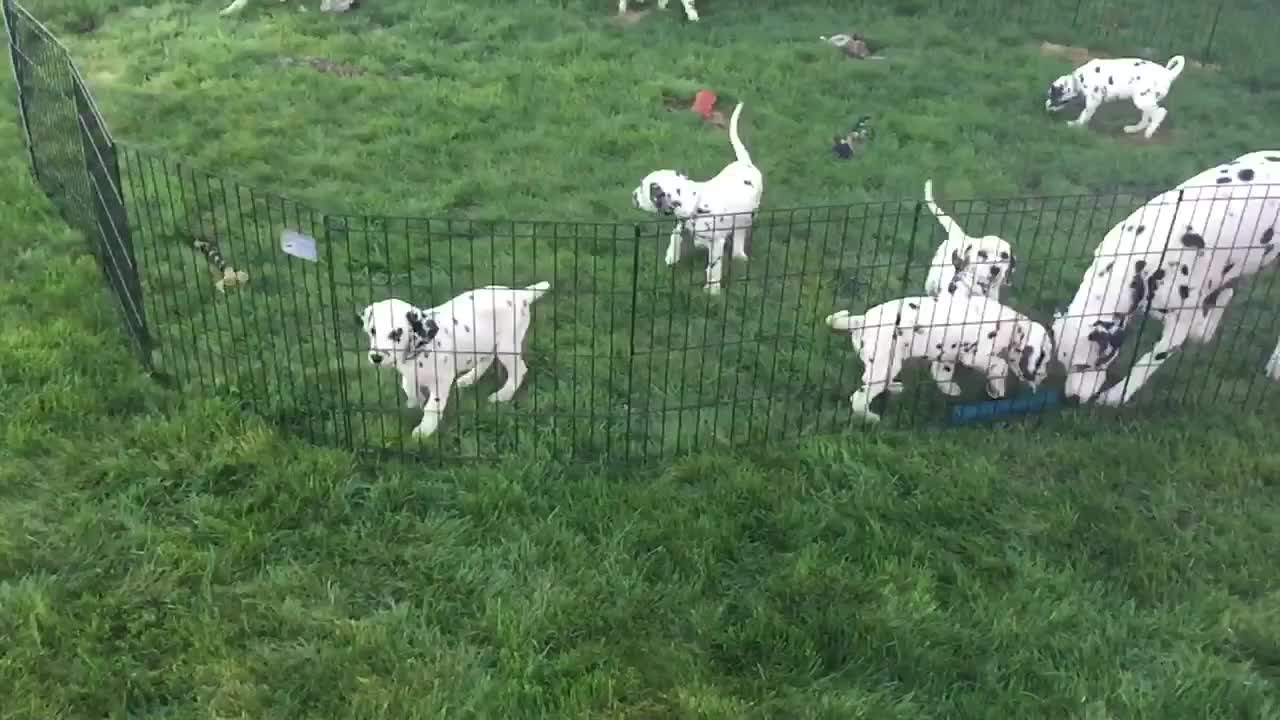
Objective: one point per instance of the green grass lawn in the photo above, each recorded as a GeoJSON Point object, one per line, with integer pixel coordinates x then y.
{"type": "Point", "coordinates": [164, 556]}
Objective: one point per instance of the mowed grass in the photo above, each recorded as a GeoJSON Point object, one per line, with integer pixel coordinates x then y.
{"type": "Point", "coordinates": [529, 129]}
{"type": "Point", "coordinates": [166, 556]}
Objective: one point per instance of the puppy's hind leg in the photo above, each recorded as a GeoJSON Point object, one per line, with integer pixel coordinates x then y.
{"type": "Point", "coordinates": [234, 7]}
{"type": "Point", "coordinates": [516, 369]}
{"type": "Point", "coordinates": [470, 377]}
{"type": "Point", "coordinates": [1157, 117]}
{"type": "Point", "coordinates": [942, 375]}
{"type": "Point", "coordinates": [715, 263]}
{"type": "Point", "coordinates": [741, 236]}
{"type": "Point", "coordinates": [689, 10]}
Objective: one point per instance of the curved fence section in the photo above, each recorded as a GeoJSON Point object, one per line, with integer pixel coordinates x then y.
{"type": "Point", "coordinates": [254, 297]}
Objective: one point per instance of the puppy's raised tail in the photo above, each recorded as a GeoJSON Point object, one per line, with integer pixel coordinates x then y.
{"type": "Point", "coordinates": [951, 227]}
{"type": "Point", "coordinates": [537, 290]}
{"type": "Point", "coordinates": [739, 149]}
{"type": "Point", "coordinates": [1175, 65]}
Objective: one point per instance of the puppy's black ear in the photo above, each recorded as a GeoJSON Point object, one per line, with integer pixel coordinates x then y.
{"type": "Point", "coordinates": [360, 319]}
{"type": "Point", "coordinates": [431, 329]}
{"type": "Point", "coordinates": [415, 324]}
{"type": "Point", "coordinates": [660, 199]}
{"type": "Point", "coordinates": [1024, 362]}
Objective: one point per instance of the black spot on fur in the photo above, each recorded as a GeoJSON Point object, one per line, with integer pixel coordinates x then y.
{"type": "Point", "coordinates": [913, 306]}
{"type": "Point", "coordinates": [1140, 229]}
{"type": "Point", "coordinates": [1273, 158]}
{"type": "Point", "coordinates": [1144, 93]}
{"type": "Point", "coordinates": [396, 334]}
{"type": "Point", "coordinates": [1097, 68]}
{"type": "Point", "coordinates": [1111, 80]}
{"type": "Point", "coordinates": [466, 329]}
{"type": "Point", "coordinates": [1267, 236]}
{"type": "Point", "coordinates": [1107, 269]}
{"type": "Point", "coordinates": [1193, 240]}
{"type": "Point", "coordinates": [1140, 265]}
{"type": "Point", "coordinates": [1137, 291]}
{"type": "Point", "coordinates": [1245, 174]}
{"type": "Point", "coordinates": [938, 346]}
{"type": "Point", "coordinates": [1184, 292]}
{"type": "Point", "coordinates": [1161, 355]}
{"type": "Point", "coordinates": [1228, 268]}
{"type": "Point", "coordinates": [1138, 64]}
{"type": "Point", "coordinates": [951, 288]}
{"type": "Point", "coordinates": [1184, 270]}
{"type": "Point", "coordinates": [1211, 299]}
{"type": "Point", "coordinates": [897, 320]}
{"type": "Point", "coordinates": [918, 330]}
{"type": "Point", "coordinates": [982, 255]}
{"type": "Point", "coordinates": [946, 368]}
{"type": "Point", "coordinates": [1223, 180]}
{"type": "Point", "coordinates": [992, 335]}
{"type": "Point", "coordinates": [748, 183]}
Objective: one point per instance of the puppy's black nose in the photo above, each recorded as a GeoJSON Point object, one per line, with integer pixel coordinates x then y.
{"type": "Point", "coordinates": [376, 358]}
{"type": "Point", "coordinates": [995, 271]}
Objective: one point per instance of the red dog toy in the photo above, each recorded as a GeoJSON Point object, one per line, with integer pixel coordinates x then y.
{"type": "Point", "coordinates": [704, 103]}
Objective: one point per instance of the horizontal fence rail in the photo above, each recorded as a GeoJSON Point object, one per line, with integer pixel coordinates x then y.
{"type": "Point", "coordinates": [252, 297]}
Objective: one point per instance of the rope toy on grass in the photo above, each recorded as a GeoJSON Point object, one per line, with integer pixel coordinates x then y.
{"type": "Point", "coordinates": [228, 277]}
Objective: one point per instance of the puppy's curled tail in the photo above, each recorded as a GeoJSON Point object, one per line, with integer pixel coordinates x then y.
{"type": "Point", "coordinates": [1175, 65]}
{"type": "Point", "coordinates": [538, 289]}
{"type": "Point", "coordinates": [739, 150]}
{"type": "Point", "coordinates": [951, 227]}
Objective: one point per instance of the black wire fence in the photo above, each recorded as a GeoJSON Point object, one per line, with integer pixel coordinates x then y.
{"type": "Point", "coordinates": [627, 357]}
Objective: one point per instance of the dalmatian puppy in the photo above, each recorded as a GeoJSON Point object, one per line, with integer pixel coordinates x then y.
{"type": "Point", "coordinates": [1177, 259]}
{"type": "Point", "coordinates": [948, 330]}
{"type": "Point", "coordinates": [1100, 81]}
{"type": "Point", "coordinates": [714, 211]}
{"type": "Point", "coordinates": [690, 11]}
{"type": "Point", "coordinates": [963, 263]}
{"type": "Point", "coordinates": [431, 347]}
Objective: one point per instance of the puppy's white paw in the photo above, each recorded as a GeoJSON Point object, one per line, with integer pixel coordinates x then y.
{"type": "Point", "coordinates": [503, 394]}
{"type": "Point", "coordinates": [1113, 397]}
{"type": "Point", "coordinates": [692, 15]}
{"type": "Point", "coordinates": [862, 408]}
{"type": "Point", "coordinates": [995, 390]}
{"type": "Point", "coordinates": [430, 421]}
{"type": "Point", "coordinates": [1131, 129]}
{"type": "Point", "coordinates": [469, 378]}
{"type": "Point", "coordinates": [671, 257]}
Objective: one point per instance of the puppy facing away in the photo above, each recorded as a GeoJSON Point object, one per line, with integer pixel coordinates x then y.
{"type": "Point", "coordinates": [1101, 81]}
{"type": "Point", "coordinates": [431, 347]}
{"type": "Point", "coordinates": [714, 211]}
{"type": "Point", "coordinates": [1177, 259]}
{"type": "Point", "coordinates": [689, 10]}
{"type": "Point", "coordinates": [952, 329]}
{"type": "Point", "coordinates": [966, 264]}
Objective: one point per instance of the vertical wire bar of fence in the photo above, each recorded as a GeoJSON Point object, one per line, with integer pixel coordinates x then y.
{"type": "Point", "coordinates": [1213, 30]}
{"type": "Point", "coordinates": [1267, 242]}
{"type": "Point", "coordinates": [367, 229]}
{"type": "Point", "coordinates": [741, 341]}
{"type": "Point", "coordinates": [844, 408]}
{"type": "Point", "coordinates": [1144, 308]}
{"type": "Point", "coordinates": [239, 300]}
{"type": "Point", "coordinates": [150, 262]}
{"type": "Point", "coordinates": [757, 362]}
{"type": "Point", "coordinates": [229, 339]}
{"type": "Point", "coordinates": [631, 338]}
{"type": "Point", "coordinates": [811, 349]}
{"type": "Point", "coordinates": [775, 354]}
{"type": "Point", "coordinates": [342, 414]}
{"type": "Point", "coordinates": [704, 348]}
{"type": "Point", "coordinates": [206, 342]}
{"type": "Point", "coordinates": [189, 263]}
{"type": "Point", "coordinates": [181, 361]}
{"type": "Point", "coordinates": [907, 292]}
{"type": "Point", "coordinates": [253, 322]}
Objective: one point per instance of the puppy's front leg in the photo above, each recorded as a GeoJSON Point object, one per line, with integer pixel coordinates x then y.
{"type": "Point", "coordinates": [997, 372]}
{"type": "Point", "coordinates": [1090, 107]}
{"type": "Point", "coordinates": [1176, 328]}
{"type": "Point", "coordinates": [689, 10]}
{"type": "Point", "coordinates": [433, 408]}
{"type": "Point", "coordinates": [942, 375]}
{"type": "Point", "coordinates": [675, 245]}
{"type": "Point", "coordinates": [715, 263]}
{"type": "Point", "coordinates": [622, 7]}
{"type": "Point", "coordinates": [412, 390]}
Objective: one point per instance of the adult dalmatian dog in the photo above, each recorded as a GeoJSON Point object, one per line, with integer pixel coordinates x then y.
{"type": "Point", "coordinates": [1104, 80]}
{"type": "Point", "coordinates": [690, 11]}
{"type": "Point", "coordinates": [1177, 258]}
{"type": "Point", "coordinates": [466, 335]}
{"type": "Point", "coordinates": [964, 329]}
{"type": "Point", "coordinates": [715, 212]}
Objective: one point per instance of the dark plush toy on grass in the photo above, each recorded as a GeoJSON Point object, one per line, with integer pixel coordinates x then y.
{"type": "Point", "coordinates": [860, 134]}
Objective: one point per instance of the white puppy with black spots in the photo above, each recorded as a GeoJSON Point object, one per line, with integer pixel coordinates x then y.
{"type": "Point", "coordinates": [690, 11]}
{"type": "Point", "coordinates": [431, 347]}
{"type": "Point", "coordinates": [1176, 259]}
{"type": "Point", "coordinates": [1101, 81]}
{"type": "Point", "coordinates": [715, 212]}
{"type": "Point", "coordinates": [962, 263]}
{"type": "Point", "coordinates": [952, 329]}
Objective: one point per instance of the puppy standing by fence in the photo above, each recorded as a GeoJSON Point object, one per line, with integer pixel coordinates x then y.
{"type": "Point", "coordinates": [1178, 261]}
{"type": "Point", "coordinates": [716, 212]}
{"type": "Point", "coordinates": [966, 329]}
{"type": "Point", "coordinates": [966, 265]}
{"type": "Point", "coordinates": [429, 348]}
{"type": "Point", "coordinates": [1101, 81]}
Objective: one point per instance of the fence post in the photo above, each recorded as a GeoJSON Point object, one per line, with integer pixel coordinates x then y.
{"type": "Point", "coordinates": [19, 63]}
{"type": "Point", "coordinates": [631, 343]}
{"type": "Point", "coordinates": [1075, 17]}
{"type": "Point", "coordinates": [337, 314]}
{"type": "Point", "coordinates": [911, 249]}
{"type": "Point", "coordinates": [109, 219]}
{"type": "Point", "coordinates": [1213, 29]}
